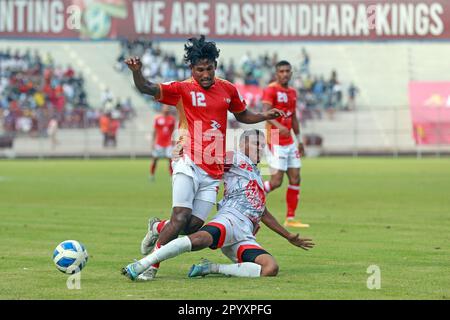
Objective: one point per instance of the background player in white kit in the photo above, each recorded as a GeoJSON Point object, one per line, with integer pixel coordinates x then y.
{"type": "Point", "coordinates": [234, 227]}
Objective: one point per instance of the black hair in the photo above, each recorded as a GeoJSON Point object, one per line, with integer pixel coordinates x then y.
{"type": "Point", "coordinates": [198, 49]}
{"type": "Point", "coordinates": [282, 63]}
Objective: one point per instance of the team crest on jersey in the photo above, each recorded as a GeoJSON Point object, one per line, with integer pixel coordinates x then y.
{"type": "Point", "coordinates": [282, 97]}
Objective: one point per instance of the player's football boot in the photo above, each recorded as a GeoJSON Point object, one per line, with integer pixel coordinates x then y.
{"type": "Point", "coordinates": [200, 270]}
{"type": "Point", "coordinates": [149, 241]}
{"type": "Point", "coordinates": [130, 270]}
{"type": "Point", "coordinates": [148, 275]}
{"type": "Point", "coordinates": [295, 224]}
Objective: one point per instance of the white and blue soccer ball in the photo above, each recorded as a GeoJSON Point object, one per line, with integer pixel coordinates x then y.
{"type": "Point", "coordinates": [70, 256]}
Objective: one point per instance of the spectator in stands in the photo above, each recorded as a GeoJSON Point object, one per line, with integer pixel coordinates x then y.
{"type": "Point", "coordinates": [352, 92]}
{"type": "Point", "coordinates": [304, 67]}
{"type": "Point", "coordinates": [106, 97]}
{"type": "Point", "coordinates": [52, 130]}
{"type": "Point", "coordinates": [113, 127]}
{"type": "Point", "coordinates": [104, 127]}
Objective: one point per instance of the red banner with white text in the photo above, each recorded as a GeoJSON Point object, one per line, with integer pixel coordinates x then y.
{"type": "Point", "coordinates": [240, 20]}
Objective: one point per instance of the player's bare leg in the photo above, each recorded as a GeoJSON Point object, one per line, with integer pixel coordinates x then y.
{"type": "Point", "coordinates": [194, 242]}
{"type": "Point", "coordinates": [293, 198]}
{"type": "Point", "coordinates": [276, 180]}
{"type": "Point", "coordinates": [153, 169]}
{"type": "Point", "coordinates": [178, 222]}
{"type": "Point", "coordinates": [269, 267]}
{"type": "Point", "coordinates": [155, 226]}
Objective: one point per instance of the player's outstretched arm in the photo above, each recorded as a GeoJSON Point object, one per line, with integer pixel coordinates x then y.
{"type": "Point", "coordinates": [298, 134]}
{"type": "Point", "coordinates": [144, 86]}
{"type": "Point", "coordinates": [250, 117]}
{"type": "Point", "coordinates": [269, 220]}
{"type": "Point", "coordinates": [283, 130]}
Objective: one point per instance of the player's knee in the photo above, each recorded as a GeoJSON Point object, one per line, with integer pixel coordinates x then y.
{"type": "Point", "coordinates": [180, 217]}
{"type": "Point", "coordinates": [193, 226]}
{"type": "Point", "coordinates": [295, 180]}
{"type": "Point", "coordinates": [200, 240]}
{"type": "Point", "coordinates": [276, 183]}
{"type": "Point", "coordinates": [269, 270]}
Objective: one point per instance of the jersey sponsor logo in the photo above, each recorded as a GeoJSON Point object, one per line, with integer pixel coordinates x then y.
{"type": "Point", "coordinates": [282, 97]}
{"type": "Point", "coordinates": [215, 125]}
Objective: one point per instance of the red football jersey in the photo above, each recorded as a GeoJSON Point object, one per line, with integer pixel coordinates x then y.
{"type": "Point", "coordinates": [284, 99]}
{"type": "Point", "coordinates": [164, 126]}
{"type": "Point", "coordinates": [203, 119]}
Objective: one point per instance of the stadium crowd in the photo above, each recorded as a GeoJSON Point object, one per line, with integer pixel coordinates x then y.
{"type": "Point", "coordinates": [34, 90]}
{"type": "Point", "coordinates": [316, 94]}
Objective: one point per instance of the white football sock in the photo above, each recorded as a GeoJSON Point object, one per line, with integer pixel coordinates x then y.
{"type": "Point", "coordinates": [245, 269]}
{"type": "Point", "coordinates": [172, 249]}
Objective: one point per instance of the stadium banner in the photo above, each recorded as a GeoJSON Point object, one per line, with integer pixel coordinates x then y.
{"type": "Point", "coordinates": [238, 20]}
{"type": "Point", "coordinates": [430, 111]}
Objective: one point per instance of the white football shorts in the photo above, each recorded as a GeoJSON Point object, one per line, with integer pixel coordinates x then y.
{"type": "Point", "coordinates": [193, 188]}
{"type": "Point", "coordinates": [234, 236]}
{"type": "Point", "coordinates": [283, 157]}
{"type": "Point", "coordinates": [162, 152]}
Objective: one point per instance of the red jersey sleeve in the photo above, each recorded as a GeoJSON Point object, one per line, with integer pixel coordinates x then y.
{"type": "Point", "coordinates": [169, 93]}
{"type": "Point", "coordinates": [268, 96]}
{"type": "Point", "coordinates": [237, 103]}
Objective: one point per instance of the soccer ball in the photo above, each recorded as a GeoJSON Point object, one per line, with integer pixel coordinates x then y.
{"type": "Point", "coordinates": [70, 256]}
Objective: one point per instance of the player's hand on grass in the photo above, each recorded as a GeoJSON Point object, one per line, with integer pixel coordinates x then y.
{"type": "Point", "coordinates": [303, 243]}
{"type": "Point", "coordinates": [134, 64]}
{"type": "Point", "coordinates": [177, 152]}
{"type": "Point", "coordinates": [301, 149]}
{"type": "Point", "coordinates": [273, 114]}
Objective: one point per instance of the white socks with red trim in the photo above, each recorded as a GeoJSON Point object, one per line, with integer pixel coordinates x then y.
{"type": "Point", "coordinates": [245, 269]}
{"type": "Point", "coordinates": [172, 249]}
{"type": "Point", "coordinates": [267, 186]}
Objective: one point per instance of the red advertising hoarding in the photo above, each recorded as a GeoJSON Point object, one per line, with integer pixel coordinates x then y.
{"type": "Point", "coordinates": [240, 20]}
{"type": "Point", "coordinates": [430, 111]}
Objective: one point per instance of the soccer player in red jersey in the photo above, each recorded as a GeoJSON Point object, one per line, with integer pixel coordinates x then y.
{"type": "Point", "coordinates": [163, 128]}
{"type": "Point", "coordinates": [284, 155]}
{"type": "Point", "coordinates": [202, 102]}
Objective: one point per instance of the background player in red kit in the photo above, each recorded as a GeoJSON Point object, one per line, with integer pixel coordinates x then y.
{"type": "Point", "coordinates": [163, 128]}
{"type": "Point", "coordinates": [283, 155]}
{"type": "Point", "coordinates": [202, 102]}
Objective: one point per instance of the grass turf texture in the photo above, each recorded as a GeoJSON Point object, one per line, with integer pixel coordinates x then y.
{"type": "Point", "coordinates": [394, 213]}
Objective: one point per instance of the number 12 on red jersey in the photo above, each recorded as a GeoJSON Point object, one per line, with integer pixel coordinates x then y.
{"type": "Point", "coordinates": [198, 99]}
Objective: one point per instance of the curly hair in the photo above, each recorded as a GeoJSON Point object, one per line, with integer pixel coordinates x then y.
{"type": "Point", "coordinates": [199, 49]}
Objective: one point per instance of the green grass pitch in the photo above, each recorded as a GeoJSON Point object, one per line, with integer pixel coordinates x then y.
{"type": "Point", "coordinates": [393, 213]}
